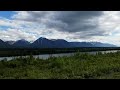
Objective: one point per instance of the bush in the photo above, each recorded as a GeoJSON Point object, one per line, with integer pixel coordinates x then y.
{"type": "Point", "coordinates": [78, 66]}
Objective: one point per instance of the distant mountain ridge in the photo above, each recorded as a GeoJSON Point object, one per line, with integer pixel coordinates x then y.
{"type": "Point", "coordinates": [4, 44]}
{"type": "Point", "coordinates": [51, 43]}
{"type": "Point", "coordinates": [99, 44]}
{"type": "Point", "coordinates": [21, 43]}
{"type": "Point", "coordinates": [42, 43]}
{"type": "Point", "coordinates": [10, 42]}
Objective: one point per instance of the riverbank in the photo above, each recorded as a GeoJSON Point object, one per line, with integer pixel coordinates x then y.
{"type": "Point", "coordinates": [78, 66]}
{"type": "Point", "coordinates": [10, 52]}
{"type": "Point", "coordinates": [46, 56]}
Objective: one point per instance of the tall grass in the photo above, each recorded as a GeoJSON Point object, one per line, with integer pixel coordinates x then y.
{"type": "Point", "coordinates": [78, 66]}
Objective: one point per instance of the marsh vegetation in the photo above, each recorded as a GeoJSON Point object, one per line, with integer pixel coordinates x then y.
{"type": "Point", "coordinates": [78, 66]}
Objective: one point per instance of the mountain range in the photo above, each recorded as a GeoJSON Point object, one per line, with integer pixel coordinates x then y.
{"type": "Point", "coordinates": [50, 43]}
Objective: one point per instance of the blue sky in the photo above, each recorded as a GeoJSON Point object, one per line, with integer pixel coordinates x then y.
{"type": "Point", "coordinates": [101, 26]}
{"type": "Point", "coordinates": [6, 14]}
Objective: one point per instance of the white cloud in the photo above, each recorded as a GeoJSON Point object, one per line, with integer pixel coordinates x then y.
{"type": "Point", "coordinates": [13, 34]}
{"type": "Point", "coordinates": [72, 26]}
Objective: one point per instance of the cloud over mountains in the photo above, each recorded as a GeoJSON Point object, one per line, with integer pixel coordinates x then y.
{"type": "Point", "coordinates": [100, 26]}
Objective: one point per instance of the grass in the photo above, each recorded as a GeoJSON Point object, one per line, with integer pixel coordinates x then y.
{"type": "Point", "coordinates": [78, 66]}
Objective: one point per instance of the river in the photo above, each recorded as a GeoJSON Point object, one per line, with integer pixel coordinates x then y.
{"type": "Point", "coordinates": [46, 56]}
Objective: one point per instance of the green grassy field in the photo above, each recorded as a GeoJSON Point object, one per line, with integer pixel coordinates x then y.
{"type": "Point", "coordinates": [79, 66]}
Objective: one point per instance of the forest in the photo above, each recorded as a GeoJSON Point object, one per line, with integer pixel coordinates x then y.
{"type": "Point", "coordinates": [6, 52]}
